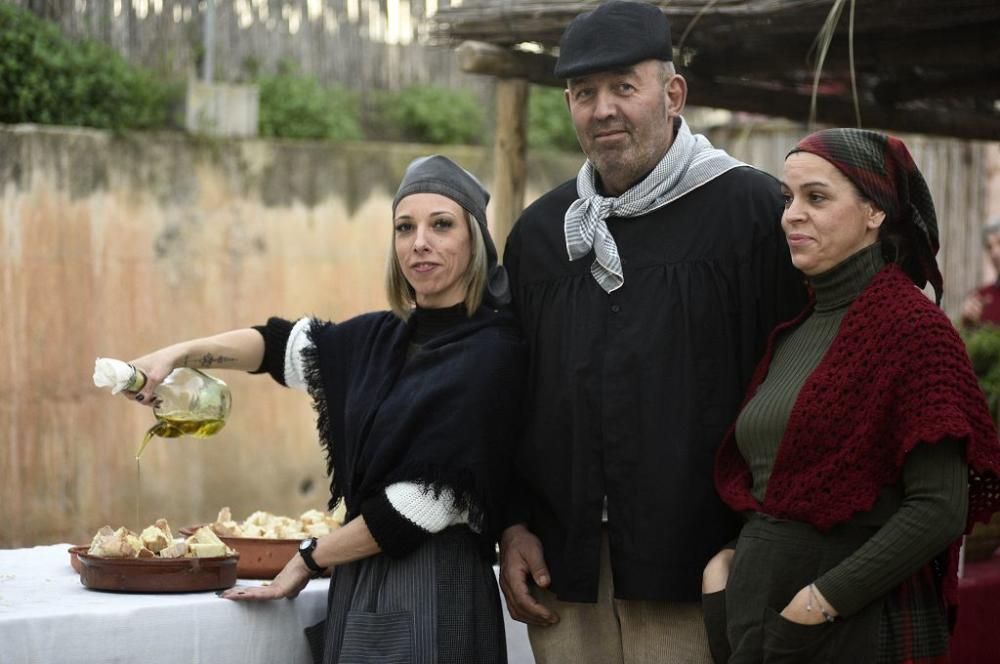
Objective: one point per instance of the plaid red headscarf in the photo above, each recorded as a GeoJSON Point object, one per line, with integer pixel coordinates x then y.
{"type": "Point", "coordinates": [881, 167]}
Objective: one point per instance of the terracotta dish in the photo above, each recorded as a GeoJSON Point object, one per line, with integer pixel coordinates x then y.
{"type": "Point", "coordinates": [259, 558]}
{"type": "Point", "coordinates": [74, 561]}
{"type": "Point", "coordinates": [152, 575]}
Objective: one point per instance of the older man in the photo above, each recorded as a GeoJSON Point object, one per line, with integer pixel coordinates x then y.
{"type": "Point", "coordinates": [646, 289]}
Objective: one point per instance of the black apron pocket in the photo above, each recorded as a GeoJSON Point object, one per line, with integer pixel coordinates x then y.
{"type": "Point", "coordinates": [787, 642]}
{"type": "Point", "coordinates": [377, 638]}
{"type": "Point", "coordinates": [316, 638]}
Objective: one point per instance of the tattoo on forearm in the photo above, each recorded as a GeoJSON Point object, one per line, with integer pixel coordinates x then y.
{"type": "Point", "coordinates": [208, 360]}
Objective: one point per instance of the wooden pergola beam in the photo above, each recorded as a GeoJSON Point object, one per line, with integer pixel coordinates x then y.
{"type": "Point", "coordinates": [839, 111]}
{"type": "Point", "coordinates": [983, 84]}
{"type": "Point", "coordinates": [490, 60]}
{"type": "Point", "coordinates": [513, 21]}
{"type": "Point", "coordinates": [773, 56]}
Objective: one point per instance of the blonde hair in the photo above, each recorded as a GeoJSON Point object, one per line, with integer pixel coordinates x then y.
{"type": "Point", "coordinates": [401, 296]}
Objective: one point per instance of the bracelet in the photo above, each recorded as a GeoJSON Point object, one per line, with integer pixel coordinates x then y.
{"type": "Point", "coordinates": [822, 609]}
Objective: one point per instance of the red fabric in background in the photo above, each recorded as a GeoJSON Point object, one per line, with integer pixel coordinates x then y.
{"type": "Point", "coordinates": [976, 639]}
{"type": "Point", "coordinates": [990, 295]}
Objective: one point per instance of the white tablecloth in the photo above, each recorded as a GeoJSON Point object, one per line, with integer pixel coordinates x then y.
{"type": "Point", "coordinates": [47, 617]}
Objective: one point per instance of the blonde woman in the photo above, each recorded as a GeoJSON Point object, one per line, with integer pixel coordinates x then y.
{"type": "Point", "coordinates": [418, 409]}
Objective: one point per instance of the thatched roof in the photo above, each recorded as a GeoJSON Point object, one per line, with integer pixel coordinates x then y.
{"type": "Point", "coordinates": [929, 66]}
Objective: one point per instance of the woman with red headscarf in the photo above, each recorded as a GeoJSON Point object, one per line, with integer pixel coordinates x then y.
{"type": "Point", "coordinates": [864, 448]}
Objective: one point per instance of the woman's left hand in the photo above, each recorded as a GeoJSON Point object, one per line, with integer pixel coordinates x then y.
{"type": "Point", "coordinates": [797, 610]}
{"type": "Point", "coordinates": [288, 584]}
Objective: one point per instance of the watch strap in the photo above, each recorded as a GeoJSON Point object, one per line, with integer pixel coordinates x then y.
{"type": "Point", "coordinates": [307, 555]}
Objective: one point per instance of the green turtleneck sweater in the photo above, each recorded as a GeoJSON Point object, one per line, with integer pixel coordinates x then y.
{"type": "Point", "coordinates": [917, 517]}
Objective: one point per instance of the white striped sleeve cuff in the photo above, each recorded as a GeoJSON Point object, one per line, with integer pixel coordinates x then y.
{"type": "Point", "coordinates": [298, 340]}
{"type": "Point", "coordinates": [423, 509]}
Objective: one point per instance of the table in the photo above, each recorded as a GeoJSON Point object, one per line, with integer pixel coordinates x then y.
{"type": "Point", "coordinates": [976, 639]}
{"type": "Point", "coordinates": [48, 617]}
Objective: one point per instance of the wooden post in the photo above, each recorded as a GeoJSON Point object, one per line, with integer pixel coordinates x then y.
{"type": "Point", "coordinates": [509, 168]}
{"type": "Point", "coordinates": [513, 72]}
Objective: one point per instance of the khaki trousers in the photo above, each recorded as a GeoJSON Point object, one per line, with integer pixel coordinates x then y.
{"type": "Point", "coordinates": [615, 631]}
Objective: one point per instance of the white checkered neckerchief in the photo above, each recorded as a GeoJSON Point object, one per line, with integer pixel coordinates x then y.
{"type": "Point", "coordinates": [690, 162]}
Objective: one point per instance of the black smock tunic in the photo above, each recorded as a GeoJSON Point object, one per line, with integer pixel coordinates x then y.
{"type": "Point", "coordinates": [632, 391]}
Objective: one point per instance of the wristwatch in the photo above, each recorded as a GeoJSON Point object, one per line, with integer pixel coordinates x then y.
{"type": "Point", "coordinates": [306, 548]}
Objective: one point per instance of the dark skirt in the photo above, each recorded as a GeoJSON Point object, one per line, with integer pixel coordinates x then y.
{"type": "Point", "coordinates": [438, 605]}
{"type": "Point", "coordinates": [774, 560]}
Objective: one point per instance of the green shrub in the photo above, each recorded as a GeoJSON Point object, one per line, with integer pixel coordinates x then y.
{"type": "Point", "coordinates": [297, 106]}
{"type": "Point", "coordinates": [983, 345]}
{"type": "Point", "coordinates": [431, 114]}
{"type": "Point", "coordinates": [47, 78]}
{"type": "Point", "coordinates": [549, 123]}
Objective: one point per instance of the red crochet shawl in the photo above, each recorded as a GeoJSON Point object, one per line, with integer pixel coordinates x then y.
{"type": "Point", "coordinates": [896, 375]}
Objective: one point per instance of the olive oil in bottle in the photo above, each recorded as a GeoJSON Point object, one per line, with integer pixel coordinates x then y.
{"type": "Point", "coordinates": [173, 427]}
{"type": "Point", "coordinates": [189, 403]}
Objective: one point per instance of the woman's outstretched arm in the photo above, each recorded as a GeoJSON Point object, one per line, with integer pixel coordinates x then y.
{"type": "Point", "coordinates": [242, 350]}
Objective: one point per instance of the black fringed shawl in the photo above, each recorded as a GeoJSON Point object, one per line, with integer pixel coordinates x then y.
{"type": "Point", "coordinates": [447, 417]}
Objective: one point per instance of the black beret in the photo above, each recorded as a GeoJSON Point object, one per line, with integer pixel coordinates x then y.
{"type": "Point", "coordinates": [616, 34]}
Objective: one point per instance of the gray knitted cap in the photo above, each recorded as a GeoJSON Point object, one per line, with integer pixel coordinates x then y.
{"type": "Point", "coordinates": [437, 174]}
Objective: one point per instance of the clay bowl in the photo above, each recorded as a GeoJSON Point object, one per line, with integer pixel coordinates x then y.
{"type": "Point", "coordinates": [259, 558]}
{"type": "Point", "coordinates": [154, 575]}
{"type": "Point", "coordinates": [74, 560]}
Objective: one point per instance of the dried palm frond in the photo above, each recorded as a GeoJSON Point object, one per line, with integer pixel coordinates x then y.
{"type": "Point", "coordinates": [822, 45]}
{"type": "Point", "coordinates": [850, 61]}
{"type": "Point", "coordinates": [694, 20]}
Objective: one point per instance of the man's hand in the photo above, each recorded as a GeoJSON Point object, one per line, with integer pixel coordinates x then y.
{"type": "Point", "coordinates": [520, 558]}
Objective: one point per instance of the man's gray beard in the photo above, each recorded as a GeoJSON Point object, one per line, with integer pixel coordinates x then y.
{"type": "Point", "coordinates": [624, 170]}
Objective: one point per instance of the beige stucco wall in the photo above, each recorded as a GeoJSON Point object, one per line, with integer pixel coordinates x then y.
{"type": "Point", "coordinates": [116, 245]}
{"type": "Point", "coordinates": [113, 246]}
